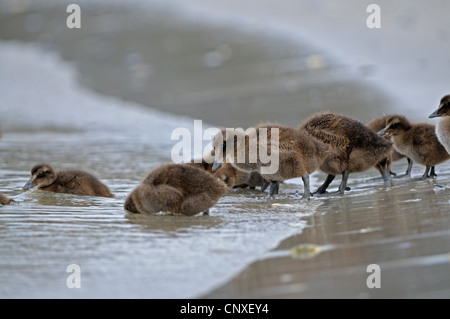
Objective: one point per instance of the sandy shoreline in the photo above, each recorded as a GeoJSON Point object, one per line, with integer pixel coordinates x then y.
{"type": "Point", "coordinates": [402, 227]}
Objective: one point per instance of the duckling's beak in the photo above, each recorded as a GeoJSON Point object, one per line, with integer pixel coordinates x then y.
{"type": "Point", "coordinates": [215, 166]}
{"type": "Point", "coordinates": [28, 185]}
{"type": "Point", "coordinates": [383, 132]}
{"type": "Point", "coordinates": [435, 114]}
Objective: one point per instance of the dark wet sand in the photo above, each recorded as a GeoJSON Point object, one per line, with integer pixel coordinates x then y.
{"type": "Point", "coordinates": [403, 228]}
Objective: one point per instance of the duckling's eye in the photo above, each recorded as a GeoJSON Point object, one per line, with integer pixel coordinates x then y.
{"type": "Point", "coordinates": [395, 125]}
{"type": "Point", "coordinates": [40, 175]}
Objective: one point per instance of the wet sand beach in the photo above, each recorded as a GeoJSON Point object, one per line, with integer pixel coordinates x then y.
{"type": "Point", "coordinates": [106, 98]}
{"type": "Point", "coordinates": [404, 229]}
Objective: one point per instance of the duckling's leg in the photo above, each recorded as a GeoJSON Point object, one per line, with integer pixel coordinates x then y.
{"type": "Point", "coordinates": [343, 186]}
{"type": "Point", "coordinates": [206, 213]}
{"type": "Point", "coordinates": [432, 172]}
{"type": "Point", "coordinates": [274, 188]}
{"type": "Point", "coordinates": [386, 175]}
{"type": "Point", "coordinates": [426, 173]}
{"type": "Point", "coordinates": [306, 188]}
{"type": "Point", "coordinates": [323, 188]}
{"type": "Point", "coordinates": [409, 169]}
{"type": "Point", "coordinates": [264, 185]}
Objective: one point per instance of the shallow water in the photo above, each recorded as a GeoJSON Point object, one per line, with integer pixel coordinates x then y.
{"type": "Point", "coordinates": [139, 65]}
{"type": "Point", "coordinates": [120, 255]}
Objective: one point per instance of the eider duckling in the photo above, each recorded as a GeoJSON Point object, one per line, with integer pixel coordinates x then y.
{"type": "Point", "coordinates": [236, 178]}
{"type": "Point", "coordinates": [298, 154]}
{"type": "Point", "coordinates": [68, 182]}
{"type": "Point", "coordinates": [4, 200]}
{"type": "Point", "coordinates": [443, 126]}
{"type": "Point", "coordinates": [384, 165]}
{"type": "Point", "coordinates": [230, 175]}
{"type": "Point", "coordinates": [417, 141]}
{"type": "Point", "coordinates": [355, 147]}
{"type": "Point", "coordinates": [176, 188]}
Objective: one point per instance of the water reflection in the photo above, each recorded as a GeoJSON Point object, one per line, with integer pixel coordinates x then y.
{"type": "Point", "coordinates": [174, 224]}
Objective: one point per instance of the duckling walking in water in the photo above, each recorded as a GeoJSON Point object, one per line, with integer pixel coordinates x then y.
{"type": "Point", "coordinates": [296, 153]}
{"type": "Point", "coordinates": [355, 147]}
{"type": "Point", "coordinates": [443, 126]}
{"type": "Point", "coordinates": [176, 188]}
{"type": "Point", "coordinates": [4, 200]}
{"type": "Point", "coordinates": [417, 141]}
{"type": "Point", "coordinates": [69, 182]}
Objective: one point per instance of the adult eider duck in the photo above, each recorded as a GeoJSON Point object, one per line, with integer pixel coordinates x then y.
{"type": "Point", "coordinates": [355, 148]}
{"type": "Point", "coordinates": [69, 182]}
{"type": "Point", "coordinates": [417, 141]}
{"type": "Point", "coordinates": [296, 153]}
{"type": "Point", "coordinates": [176, 188]}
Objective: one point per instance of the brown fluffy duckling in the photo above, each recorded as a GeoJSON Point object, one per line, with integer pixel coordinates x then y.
{"type": "Point", "coordinates": [356, 148]}
{"type": "Point", "coordinates": [384, 165]}
{"type": "Point", "coordinates": [417, 141]}
{"type": "Point", "coordinates": [236, 178]}
{"type": "Point", "coordinates": [69, 182]}
{"type": "Point", "coordinates": [443, 126]}
{"type": "Point", "coordinates": [298, 154]}
{"type": "Point", "coordinates": [4, 200]}
{"type": "Point", "coordinates": [230, 175]}
{"type": "Point", "coordinates": [176, 188]}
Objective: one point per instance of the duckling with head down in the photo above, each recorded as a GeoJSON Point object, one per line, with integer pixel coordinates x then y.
{"type": "Point", "coordinates": [417, 141]}
{"type": "Point", "coordinates": [292, 153]}
{"type": "Point", "coordinates": [355, 147]}
{"type": "Point", "coordinates": [69, 182]}
{"type": "Point", "coordinates": [176, 188]}
{"type": "Point", "coordinates": [230, 175]}
{"type": "Point", "coordinates": [443, 126]}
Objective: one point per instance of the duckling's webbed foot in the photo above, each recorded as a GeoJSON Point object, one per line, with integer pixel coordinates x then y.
{"type": "Point", "coordinates": [206, 213]}
{"type": "Point", "coordinates": [323, 188]}
{"type": "Point", "coordinates": [386, 175]}
{"type": "Point", "coordinates": [343, 186]}
{"type": "Point", "coordinates": [408, 170]}
{"type": "Point", "coordinates": [427, 173]}
{"type": "Point", "coordinates": [306, 191]}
